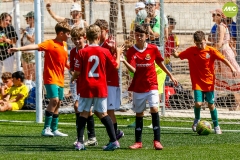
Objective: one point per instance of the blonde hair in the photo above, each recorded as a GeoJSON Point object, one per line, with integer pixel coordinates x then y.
{"type": "Point", "coordinates": [6, 75]}
{"type": "Point", "coordinates": [93, 32]}
{"type": "Point", "coordinates": [62, 27]}
{"type": "Point", "coordinates": [78, 32]}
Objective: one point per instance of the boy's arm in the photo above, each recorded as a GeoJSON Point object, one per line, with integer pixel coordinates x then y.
{"type": "Point", "coordinates": [24, 48]}
{"type": "Point", "coordinates": [129, 66]}
{"type": "Point", "coordinates": [75, 76]}
{"type": "Point", "coordinates": [163, 67]}
{"type": "Point", "coordinates": [226, 62]}
{"type": "Point", "coordinates": [19, 96]}
{"type": "Point", "coordinates": [53, 15]}
{"type": "Point", "coordinates": [175, 53]}
{"type": "Point", "coordinates": [119, 53]}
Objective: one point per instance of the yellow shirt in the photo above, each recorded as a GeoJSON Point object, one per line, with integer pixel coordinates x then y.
{"type": "Point", "coordinates": [15, 91]}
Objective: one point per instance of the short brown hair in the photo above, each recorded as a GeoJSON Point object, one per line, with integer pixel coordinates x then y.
{"type": "Point", "coordinates": [142, 28]}
{"type": "Point", "coordinates": [78, 32]}
{"type": "Point", "coordinates": [62, 27]}
{"type": "Point", "coordinates": [93, 32]}
{"type": "Point", "coordinates": [198, 36]}
{"type": "Point", "coordinates": [102, 23]}
{"type": "Point", "coordinates": [6, 75]}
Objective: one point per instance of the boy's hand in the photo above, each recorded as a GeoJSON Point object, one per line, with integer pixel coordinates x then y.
{"type": "Point", "coordinates": [48, 5]}
{"type": "Point", "coordinates": [122, 59]}
{"type": "Point", "coordinates": [174, 80]}
{"type": "Point", "coordinates": [11, 50]}
{"type": "Point", "coordinates": [121, 49]}
{"type": "Point", "coordinates": [73, 80]}
{"type": "Point", "coordinates": [234, 72]}
{"type": "Point", "coordinates": [112, 42]}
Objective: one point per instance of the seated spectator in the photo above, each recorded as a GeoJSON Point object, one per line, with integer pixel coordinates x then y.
{"type": "Point", "coordinates": [6, 85]}
{"type": "Point", "coordinates": [14, 99]}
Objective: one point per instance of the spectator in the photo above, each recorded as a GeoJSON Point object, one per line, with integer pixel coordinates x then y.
{"type": "Point", "coordinates": [7, 83]}
{"type": "Point", "coordinates": [28, 57]}
{"type": "Point", "coordinates": [8, 38]}
{"type": "Point", "coordinates": [14, 100]}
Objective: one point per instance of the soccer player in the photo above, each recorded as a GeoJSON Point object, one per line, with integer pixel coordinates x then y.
{"type": "Point", "coordinates": [113, 100]}
{"type": "Point", "coordinates": [144, 84]}
{"type": "Point", "coordinates": [91, 66]}
{"type": "Point", "coordinates": [53, 75]}
{"type": "Point", "coordinates": [78, 36]}
{"type": "Point", "coordinates": [201, 65]}
{"type": "Point", "coordinates": [15, 96]}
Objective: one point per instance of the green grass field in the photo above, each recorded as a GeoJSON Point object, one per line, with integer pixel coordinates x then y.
{"type": "Point", "coordinates": [22, 140]}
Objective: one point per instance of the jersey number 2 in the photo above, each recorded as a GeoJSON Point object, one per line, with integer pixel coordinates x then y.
{"type": "Point", "coordinates": [92, 70]}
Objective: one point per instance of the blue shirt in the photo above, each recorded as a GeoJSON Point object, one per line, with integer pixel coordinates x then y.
{"type": "Point", "coordinates": [232, 27]}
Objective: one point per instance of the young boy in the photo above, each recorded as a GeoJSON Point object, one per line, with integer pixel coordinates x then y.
{"type": "Point", "coordinates": [144, 84]}
{"type": "Point", "coordinates": [201, 64]}
{"type": "Point", "coordinates": [14, 98]}
{"type": "Point", "coordinates": [113, 100]}
{"type": "Point", "coordinates": [53, 75]}
{"type": "Point", "coordinates": [78, 36]}
{"type": "Point", "coordinates": [7, 83]}
{"type": "Point", "coordinates": [91, 65]}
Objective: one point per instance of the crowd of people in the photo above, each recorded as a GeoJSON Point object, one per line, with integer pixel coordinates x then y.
{"type": "Point", "coordinates": [93, 67]}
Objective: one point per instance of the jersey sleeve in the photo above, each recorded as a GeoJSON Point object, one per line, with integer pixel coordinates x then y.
{"type": "Point", "coordinates": [158, 58]}
{"type": "Point", "coordinates": [184, 54]}
{"type": "Point", "coordinates": [110, 60]}
{"type": "Point", "coordinates": [78, 62]}
{"type": "Point", "coordinates": [44, 46]}
{"type": "Point", "coordinates": [217, 55]}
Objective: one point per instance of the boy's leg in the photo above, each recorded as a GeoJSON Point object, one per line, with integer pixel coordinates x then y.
{"type": "Point", "coordinates": [113, 103]}
{"type": "Point", "coordinates": [91, 141]}
{"type": "Point", "coordinates": [199, 99]}
{"type": "Point", "coordinates": [100, 109]}
{"type": "Point", "coordinates": [213, 112]}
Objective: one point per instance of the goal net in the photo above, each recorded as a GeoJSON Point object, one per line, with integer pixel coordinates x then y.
{"type": "Point", "coordinates": [189, 16]}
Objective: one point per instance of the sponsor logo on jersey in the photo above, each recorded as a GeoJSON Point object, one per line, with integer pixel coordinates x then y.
{"type": "Point", "coordinates": [144, 65]}
{"type": "Point", "coordinates": [76, 63]}
{"type": "Point", "coordinates": [148, 57]}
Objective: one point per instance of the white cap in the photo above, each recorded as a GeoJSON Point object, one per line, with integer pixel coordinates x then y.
{"type": "Point", "coordinates": [75, 7]}
{"type": "Point", "coordinates": [150, 2]}
{"type": "Point", "coordinates": [139, 5]}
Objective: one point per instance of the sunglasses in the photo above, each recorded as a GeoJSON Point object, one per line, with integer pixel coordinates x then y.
{"type": "Point", "coordinates": [216, 15]}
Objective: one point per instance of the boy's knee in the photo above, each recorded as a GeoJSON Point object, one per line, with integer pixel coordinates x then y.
{"type": "Point", "coordinates": [198, 104]}
{"type": "Point", "coordinates": [140, 114]}
{"type": "Point", "coordinates": [154, 109]}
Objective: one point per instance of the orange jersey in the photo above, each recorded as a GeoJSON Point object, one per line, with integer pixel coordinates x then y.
{"type": "Point", "coordinates": [201, 66]}
{"type": "Point", "coordinates": [55, 60]}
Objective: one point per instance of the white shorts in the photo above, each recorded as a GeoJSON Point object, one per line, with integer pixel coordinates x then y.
{"type": "Point", "coordinates": [139, 100]}
{"type": "Point", "coordinates": [99, 104]}
{"type": "Point", "coordinates": [73, 89]}
{"type": "Point", "coordinates": [113, 99]}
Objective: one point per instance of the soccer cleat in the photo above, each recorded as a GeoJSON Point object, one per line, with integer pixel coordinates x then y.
{"type": "Point", "coordinates": [217, 130]}
{"type": "Point", "coordinates": [111, 146]}
{"type": "Point", "coordinates": [79, 146]}
{"type": "Point", "coordinates": [194, 126]}
{"type": "Point", "coordinates": [157, 145]}
{"type": "Point", "coordinates": [136, 145]}
{"type": "Point", "coordinates": [75, 142]}
{"type": "Point", "coordinates": [91, 142]}
{"type": "Point", "coordinates": [58, 133]}
{"type": "Point", "coordinates": [120, 134]}
{"type": "Point", "coordinates": [47, 132]}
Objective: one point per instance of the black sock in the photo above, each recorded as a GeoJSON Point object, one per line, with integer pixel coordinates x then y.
{"type": "Point", "coordinates": [156, 126]}
{"type": "Point", "coordinates": [90, 127]}
{"type": "Point", "coordinates": [81, 126]}
{"type": "Point", "coordinates": [107, 122]}
{"type": "Point", "coordinates": [138, 129]}
{"type": "Point", "coordinates": [115, 128]}
{"type": "Point", "coordinates": [48, 113]}
{"type": "Point", "coordinates": [77, 117]}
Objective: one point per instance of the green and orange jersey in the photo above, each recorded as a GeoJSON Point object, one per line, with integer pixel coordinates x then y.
{"type": "Point", "coordinates": [56, 57]}
{"type": "Point", "coordinates": [201, 66]}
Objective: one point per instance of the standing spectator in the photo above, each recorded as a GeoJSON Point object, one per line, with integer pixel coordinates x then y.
{"type": "Point", "coordinates": [171, 44]}
{"type": "Point", "coordinates": [8, 38]}
{"type": "Point", "coordinates": [53, 75]}
{"type": "Point", "coordinates": [75, 20]}
{"type": "Point", "coordinates": [28, 57]}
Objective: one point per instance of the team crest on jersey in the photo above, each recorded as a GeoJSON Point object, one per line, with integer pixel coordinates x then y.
{"type": "Point", "coordinates": [148, 57]}
{"type": "Point", "coordinates": [207, 55]}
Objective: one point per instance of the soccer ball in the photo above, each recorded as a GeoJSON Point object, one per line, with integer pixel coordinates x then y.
{"type": "Point", "coordinates": [204, 128]}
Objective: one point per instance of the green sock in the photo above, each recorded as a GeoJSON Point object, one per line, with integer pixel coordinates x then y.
{"type": "Point", "coordinates": [48, 121]}
{"type": "Point", "coordinates": [197, 113]}
{"type": "Point", "coordinates": [54, 124]}
{"type": "Point", "coordinates": [214, 116]}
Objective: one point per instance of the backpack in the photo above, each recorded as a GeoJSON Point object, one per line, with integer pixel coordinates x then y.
{"type": "Point", "coordinates": [30, 101]}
